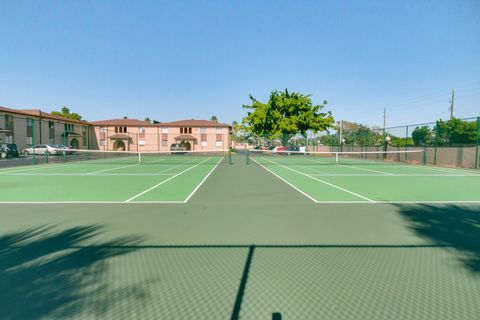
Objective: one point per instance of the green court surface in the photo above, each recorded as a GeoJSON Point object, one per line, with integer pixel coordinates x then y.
{"type": "Point", "coordinates": [168, 179]}
{"type": "Point", "coordinates": [369, 181]}
{"type": "Point", "coordinates": [251, 240]}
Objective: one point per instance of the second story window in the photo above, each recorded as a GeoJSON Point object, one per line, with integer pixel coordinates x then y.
{"type": "Point", "coordinates": [203, 130]}
{"type": "Point", "coordinates": [164, 130]}
{"type": "Point", "coordinates": [218, 130]}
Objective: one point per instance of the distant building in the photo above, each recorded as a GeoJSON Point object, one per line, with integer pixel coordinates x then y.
{"type": "Point", "coordinates": [137, 135]}
{"type": "Point", "coordinates": [28, 127]}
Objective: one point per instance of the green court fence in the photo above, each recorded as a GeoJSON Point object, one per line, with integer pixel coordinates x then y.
{"type": "Point", "coordinates": [451, 143]}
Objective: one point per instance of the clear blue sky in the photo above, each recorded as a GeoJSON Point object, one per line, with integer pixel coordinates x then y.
{"type": "Point", "coordinates": [171, 60]}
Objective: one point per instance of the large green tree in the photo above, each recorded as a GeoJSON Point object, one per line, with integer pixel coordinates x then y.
{"type": "Point", "coordinates": [65, 112]}
{"type": "Point", "coordinates": [286, 113]}
{"type": "Point", "coordinates": [422, 136]}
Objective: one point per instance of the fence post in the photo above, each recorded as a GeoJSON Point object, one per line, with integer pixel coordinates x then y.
{"type": "Point", "coordinates": [478, 141]}
{"type": "Point", "coordinates": [406, 142]}
{"type": "Point", "coordinates": [33, 141]}
{"type": "Point", "coordinates": [435, 146]}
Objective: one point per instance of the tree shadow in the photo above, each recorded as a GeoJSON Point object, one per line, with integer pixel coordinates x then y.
{"type": "Point", "coordinates": [452, 226]}
{"type": "Point", "coordinates": [48, 273]}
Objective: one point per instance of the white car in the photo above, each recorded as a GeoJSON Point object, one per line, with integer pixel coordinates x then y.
{"type": "Point", "coordinates": [41, 149]}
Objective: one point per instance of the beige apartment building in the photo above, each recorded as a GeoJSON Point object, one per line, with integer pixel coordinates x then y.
{"type": "Point", "coordinates": [28, 127]}
{"type": "Point", "coordinates": [137, 135]}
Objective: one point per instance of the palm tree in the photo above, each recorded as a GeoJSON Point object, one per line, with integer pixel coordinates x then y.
{"type": "Point", "coordinates": [214, 119]}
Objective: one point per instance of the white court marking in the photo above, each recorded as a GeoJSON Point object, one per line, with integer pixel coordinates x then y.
{"type": "Point", "coordinates": [322, 181]}
{"type": "Point", "coordinates": [204, 179]}
{"type": "Point", "coordinates": [165, 181]}
{"type": "Point", "coordinates": [291, 185]}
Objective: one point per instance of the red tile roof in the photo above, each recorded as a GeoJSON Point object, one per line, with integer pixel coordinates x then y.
{"type": "Point", "coordinates": [122, 122]}
{"type": "Point", "coordinates": [194, 123]}
{"type": "Point", "coordinates": [39, 113]}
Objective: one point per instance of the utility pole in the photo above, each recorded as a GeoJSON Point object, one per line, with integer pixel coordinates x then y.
{"type": "Point", "coordinates": [452, 104]}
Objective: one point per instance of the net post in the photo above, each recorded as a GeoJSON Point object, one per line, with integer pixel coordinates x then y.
{"type": "Point", "coordinates": [230, 160]}
{"type": "Point", "coordinates": [46, 156]}
{"type": "Point", "coordinates": [139, 158]}
{"type": "Point", "coordinates": [336, 157]}
{"type": "Point", "coordinates": [425, 160]}
{"type": "Point", "coordinates": [247, 157]}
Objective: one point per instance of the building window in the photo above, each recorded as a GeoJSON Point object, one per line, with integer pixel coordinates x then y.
{"type": "Point", "coordinates": [68, 127]}
{"type": "Point", "coordinates": [218, 130]}
{"type": "Point", "coordinates": [9, 127]}
{"type": "Point", "coordinates": [203, 143]}
{"type": "Point", "coordinates": [84, 136]}
{"type": "Point", "coordinates": [30, 132]}
{"type": "Point", "coordinates": [164, 143]}
{"type": "Point", "coordinates": [203, 130]}
{"type": "Point", "coordinates": [186, 130]}
{"type": "Point", "coordinates": [102, 142]}
{"type": "Point", "coordinates": [141, 143]}
{"type": "Point", "coordinates": [141, 130]}
{"type": "Point", "coordinates": [116, 129]}
{"type": "Point", "coordinates": [218, 143]}
{"type": "Point", "coordinates": [103, 129]}
{"type": "Point", "coordinates": [124, 129]}
{"type": "Point", "coordinates": [51, 132]}
{"type": "Point", "coordinates": [164, 130]}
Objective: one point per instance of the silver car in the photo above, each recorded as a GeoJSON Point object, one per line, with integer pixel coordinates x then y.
{"type": "Point", "coordinates": [41, 149]}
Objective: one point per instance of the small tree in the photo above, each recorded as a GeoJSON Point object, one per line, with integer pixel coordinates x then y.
{"type": "Point", "coordinates": [65, 112]}
{"type": "Point", "coordinates": [286, 114]}
{"type": "Point", "coordinates": [214, 119]}
{"type": "Point", "coordinates": [147, 119]}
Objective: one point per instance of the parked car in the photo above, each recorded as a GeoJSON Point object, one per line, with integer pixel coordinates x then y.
{"type": "Point", "coordinates": [176, 147]}
{"type": "Point", "coordinates": [8, 149]}
{"type": "Point", "coordinates": [61, 147]}
{"type": "Point", "coordinates": [41, 149]}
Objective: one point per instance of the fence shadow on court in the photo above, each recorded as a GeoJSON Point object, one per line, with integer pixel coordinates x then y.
{"type": "Point", "coordinates": [452, 226]}
{"type": "Point", "coordinates": [48, 273]}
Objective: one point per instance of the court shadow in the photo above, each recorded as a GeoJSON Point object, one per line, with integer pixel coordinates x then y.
{"type": "Point", "coordinates": [452, 226]}
{"type": "Point", "coordinates": [54, 274]}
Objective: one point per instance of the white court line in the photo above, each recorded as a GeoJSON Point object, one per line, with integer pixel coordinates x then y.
{"type": "Point", "coordinates": [201, 182]}
{"type": "Point", "coordinates": [112, 169]}
{"type": "Point", "coordinates": [91, 175]}
{"type": "Point", "coordinates": [358, 168]}
{"type": "Point", "coordinates": [85, 202]}
{"type": "Point", "coordinates": [177, 165]}
{"type": "Point", "coordinates": [370, 170]}
{"type": "Point", "coordinates": [164, 181]}
{"type": "Point", "coordinates": [183, 202]}
{"type": "Point", "coordinates": [40, 167]}
{"type": "Point", "coordinates": [393, 175]}
{"type": "Point", "coordinates": [291, 185]}
{"type": "Point", "coordinates": [319, 180]}
{"type": "Point", "coordinates": [441, 169]}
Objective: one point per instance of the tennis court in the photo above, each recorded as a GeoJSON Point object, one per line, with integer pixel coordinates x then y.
{"type": "Point", "coordinates": [110, 177]}
{"type": "Point", "coordinates": [225, 240]}
{"type": "Point", "coordinates": [357, 178]}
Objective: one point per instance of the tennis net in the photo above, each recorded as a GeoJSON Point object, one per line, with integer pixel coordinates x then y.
{"type": "Point", "coordinates": [417, 156]}
{"type": "Point", "coordinates": [132, 157]}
